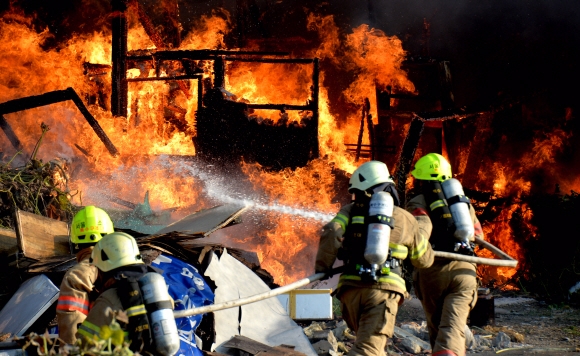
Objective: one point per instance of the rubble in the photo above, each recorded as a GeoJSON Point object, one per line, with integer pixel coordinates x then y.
{"type": "Point", "coordinates": [35, 187]}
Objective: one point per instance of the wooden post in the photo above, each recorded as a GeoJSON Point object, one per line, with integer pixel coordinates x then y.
{"type": "Point", "coordinates": [119, 93]}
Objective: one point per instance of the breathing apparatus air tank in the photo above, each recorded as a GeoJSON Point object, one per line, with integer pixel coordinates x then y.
{"type": "Point", "coordinates": [379, 230]}
{"type": "Point", "coordinates": [459, 207]}
{"type": "Point", "coordinates": [160, 310]}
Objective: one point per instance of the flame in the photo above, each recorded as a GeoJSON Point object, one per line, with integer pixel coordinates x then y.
{"type": "Point", "coordinates": [514, 183]}
{"type": "Point", "coordinates": [161, 123]}
{"type": "Point", "coordinates": [500, 233]}
{"type": "Point", "coordinates": [209, 32]}
{"type": "Point", "coordinates": [287, 251]}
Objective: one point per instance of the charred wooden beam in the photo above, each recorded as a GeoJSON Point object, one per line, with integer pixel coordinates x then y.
{"type": "Point", "coordinates": [371, 127]}
{"type": "Point", "coordinates": [477, 150]}
{"type": "Point", "coordinates": [5, 126]}
{"type": "Point", "coordinates": [315, 112]}
{"type": "Point", "coordinates": [157, 40]}
{"type": "Point", "coordinates": [310, 106]}
{"type": "Point", "coordinates": [360, 134]}
{"type": "Point", "coordinates": [219, 69]}
{"type": "Point", "coordinates": [179, 77]}
{"type": "Point", "coordinates": [273, 60]}
{"type": "Point", "coordinates": [353, 147]}
{"type": "Point", "coordinates": [83, 151]}
{"type": "Point", "coordinates": [202, 54]}
{"type": "Point", "coordinates": [95, 69]}
{"type": "Point", "coordinates": [148, 26]}
{"type": "Point", "coordinates": [54, 97]}
{"type": "Point", "coordinates": [119, 93]}
{"type": "Point", "coordinates": [407, 155]}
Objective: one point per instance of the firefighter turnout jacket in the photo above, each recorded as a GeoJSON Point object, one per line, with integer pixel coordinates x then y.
{"type": "Point", "coordinates": [406, 240]}
{"type": "Point", "coordinates": [370, 305]}
{"type": "Point", "coordinates": [123, 294]}
{"type": "Point", "coordinates": [74, 299]}
{"type": "Point", "coordinates": [99, 315]}
{"type": "Point", "coordinates": [447, 289]}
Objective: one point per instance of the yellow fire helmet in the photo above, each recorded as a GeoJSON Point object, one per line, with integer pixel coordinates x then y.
{"type": "Point", "coordinates": [369, 175]}
{"type": "Point", "coordinates": [432, 166]}
{"type": "Point", "coordinates": [116, 250]}
{"type": "Point", "coordinates": [89, 225]}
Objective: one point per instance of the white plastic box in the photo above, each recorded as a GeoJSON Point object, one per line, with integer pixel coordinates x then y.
{"type": "Point", "coordinates": [307, 304]}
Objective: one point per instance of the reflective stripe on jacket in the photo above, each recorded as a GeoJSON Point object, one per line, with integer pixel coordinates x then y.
{"type": "Point", "coordinates": [406, 239]}
{"type": "Point", "coordinates": [73, 301]}
{"type": "Point", "coordinates": [99, 314]}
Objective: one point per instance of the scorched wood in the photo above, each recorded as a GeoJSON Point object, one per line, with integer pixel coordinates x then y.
{"type": "Point", "coordinates": [53, 97]}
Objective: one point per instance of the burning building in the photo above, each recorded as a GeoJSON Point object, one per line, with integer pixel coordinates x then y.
{"type": "Point", "coordinates": [269, 104]}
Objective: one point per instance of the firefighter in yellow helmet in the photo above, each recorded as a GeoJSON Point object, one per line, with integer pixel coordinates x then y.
{"type": "Point", "coordinates": [448, 289]}
{"type": "Point", "coordinates": [88, 227]}
{"type": "Point", "coordinates": [120, 266]}
{"type": "Point", "coordinates": [370, 293]}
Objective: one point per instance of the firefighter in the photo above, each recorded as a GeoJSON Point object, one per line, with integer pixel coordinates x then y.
{"type": "Point", "coordinates": [121, 269]}
{"type": "Point", "coordinates": [370, 297]}
{"type": "Point", "coordinates": [448, 289]}
{"type": "Point", "coordinates": [89, 225]}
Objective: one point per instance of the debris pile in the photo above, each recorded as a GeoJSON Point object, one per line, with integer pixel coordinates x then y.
{"type": "Point", "coordinates": [37, 187]}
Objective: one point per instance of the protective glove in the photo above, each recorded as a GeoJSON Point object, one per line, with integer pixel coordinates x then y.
{"type": "Point", "coordinates": [465, 248]}
{"type": "Point", "coordinates": [327, 275]}
{"type": "Point", "coordinates": [331, 272]}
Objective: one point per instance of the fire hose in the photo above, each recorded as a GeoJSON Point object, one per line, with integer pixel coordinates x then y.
{"type": "Point", "coordinates": [505, 261]}
{"type": "Point", "coordinates": [254, 298]}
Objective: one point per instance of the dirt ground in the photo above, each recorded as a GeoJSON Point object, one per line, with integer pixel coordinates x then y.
{"type": "Point", "coordinates": [542, 328]}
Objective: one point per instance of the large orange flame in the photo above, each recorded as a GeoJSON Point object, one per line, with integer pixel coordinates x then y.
{"type": "Point", "coordinates": [147, 140]}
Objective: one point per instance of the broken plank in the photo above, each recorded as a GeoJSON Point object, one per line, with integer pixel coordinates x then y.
{"type": "Point", "coordinates": [8, 244]}
{"type": "Point", "coordinates": [39, 237]}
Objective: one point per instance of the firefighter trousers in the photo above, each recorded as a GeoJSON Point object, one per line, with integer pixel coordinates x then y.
{"type": "Point", "coordinates": [370, 313]}
{"type": "Point", "coordinates": [448, 292]}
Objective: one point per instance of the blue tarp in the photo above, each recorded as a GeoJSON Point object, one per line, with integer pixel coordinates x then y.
{"type": "Point", "coordinates": [188, 290]}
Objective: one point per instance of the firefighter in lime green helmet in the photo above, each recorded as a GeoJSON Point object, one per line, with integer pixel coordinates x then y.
{"type": "Point", "coordinates": [77, 288]}
{"type": "Point", "coordinates": [447, 289]}
{"type": "Point", "coordinates": [370, 290]}
{"type": "Point", "coordinates": [432, 166]}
